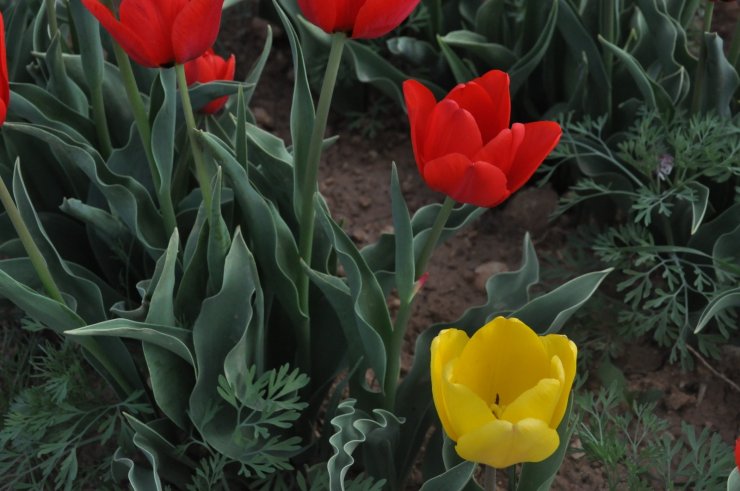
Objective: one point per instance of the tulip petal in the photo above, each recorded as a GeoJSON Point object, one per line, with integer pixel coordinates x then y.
{"type": "Point", "coordinates": [498, 151]}
{"type": "Point", "coordinates": [502, 360]}
{"type": "Point", "coordinates": [478, 183]}
{"type": "Point", "coordinates": [450, 130]}
{"type": "Point", "coordinates": [195, 29]}
{"type": "Point", "coordinates": [475, 99]}
{"type": "Point", "coordinates": [150, 54]}
{"type": "Point", "coordinates": [500, 443]}
{"type": "Point", "coordinates": [496, 83]}
{"type": "Point", "coordinates": [322, 13]}
{"type": "Point", "coordinates": [446, 346]}
{"type": "Point", "coordinates": [566, 351]}
{"type": "Point", "coordinates": [466, 411]}
{"type": "Point", "coordinates": [379, 17]}
{"type": "Point", "coordinates": [539, 402]}
{"type": "Point", "coordinates": [420, 103]}
{"type": "Point", "coordinates": [540, 138]}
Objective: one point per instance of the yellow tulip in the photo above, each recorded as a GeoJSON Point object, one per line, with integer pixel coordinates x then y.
{"type": "Point", "coordinates": [502, 393]}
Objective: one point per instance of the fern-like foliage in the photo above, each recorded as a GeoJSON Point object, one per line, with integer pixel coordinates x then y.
{"type": "Point", "coordinates": [668, 178]}
{"type": "Point", "coordinates": [57, 420]}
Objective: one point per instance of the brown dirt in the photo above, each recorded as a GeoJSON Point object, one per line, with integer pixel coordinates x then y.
{"type": "Point", "coordinates": [355, 175]}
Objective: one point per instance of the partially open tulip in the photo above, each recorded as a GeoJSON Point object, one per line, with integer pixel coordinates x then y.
{"type": "Point", "coordinates": [361, 19]}
{"type": "Point", "coordinates": [158, 33]}
{"type": "Point", "coordinates": [464, 146]}
{"type": "Point", "coordinates": [4, 83]}
{"type": "Point", "coordinates": [737, 453]}
{"type": "Point", "coordinates": [208, 68]}
{"type": "Point", "coordinates": [502, 393]}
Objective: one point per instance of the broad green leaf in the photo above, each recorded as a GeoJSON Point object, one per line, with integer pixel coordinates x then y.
{"type": "Point", "coordinates": [725, 300]}
{"type": "Point", "coordinates": [352, 428]}
{"type": "Point", "coordinates": [699, 205]}
{"type": "Point", "coordinates": [526, 64]}
{"type": "Point", "coordinates": [721, 80]}
{"type": "Point", "coordinates": [462, 71]}
{"type": "Point", "coordinates": [547, 314]}
{"type": "Point", "coordinates": [173, 339]}
{"type": "Point", "coordinates": [405, 272]}
{"type": "Point", "coordinates": [163, 129]}
{"type": "Point", "coordinates": [255, 72]}
{"type": "Point", "coordinates": [733, 482]}
{"type": "Point", "coordinates": [455, 479]}
{"type": "Point", "coordinates": [59, 83]}
{"type": "Point", "coordinates": [493, 55]}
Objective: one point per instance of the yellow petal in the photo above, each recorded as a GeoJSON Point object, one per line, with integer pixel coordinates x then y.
{"type": "Point", "coordinates": [539, 402]}
{"type": "Point", "coordinates": [501, 443]}
{"type": "Point", "coordinates": [447, 346]}
{"type": "Point", "coordinates": [466, 412]}
{"type": "Point", "coordinates": [566, 350]}
{"type": "Point", "coordinates": [503, 358]}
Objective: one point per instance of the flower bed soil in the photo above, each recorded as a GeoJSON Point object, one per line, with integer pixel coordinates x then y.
{"type": "Point", "coordinates": [355, 176]}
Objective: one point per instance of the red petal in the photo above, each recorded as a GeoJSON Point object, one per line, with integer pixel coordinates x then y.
{"type": "Point", "coordinates": [322, 13]}
{"type": "Point", "coordinates": [501, 150]}
{"type": "Point", "coordinates": [379, 17]}
{"type": "Point", "coordinates": [476, 100]}
{"type": "Point", "coordinates": [229, 69]}
{"type": "Point", "coordinates": [196, 28]}
{"type": "Point", "coordinates": [477, 183]}
{"type": "Point", "coordinates": [419, 103]}
{"type": "Point", "coordinates": [737, 452]}
{"type": "Point", "coordinates": [4, 83]}
{"type": "Point", "coordinates": [127, 37]}
{"type": "Point", "coordinates": [496, 84]}
{"type": "Point", "coordinates": [450, 130]}
{"type": "Point", "coordinates": [347, 11]}
{"type": "Point", "coordinates": [540, 139]}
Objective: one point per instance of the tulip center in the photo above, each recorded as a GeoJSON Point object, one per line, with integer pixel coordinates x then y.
{"type": "Point", "coordinates": [497, 407]}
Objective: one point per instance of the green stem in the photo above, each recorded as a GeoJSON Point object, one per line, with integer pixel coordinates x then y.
{"type": "Point", "coordinates": [489, 478]}
{"type": "Point", "coordinates": [101, 123]}
{"type": "Point", "coordinates": [47, 281]}
{"type": "Point", "coordinates": [701, 65]}
{"type": "Point", "coordinates": [141, 116]}
{"type": "Point", "coordinates": [201, 173]}
{"type": "Point", "coordinates": [404, 311]}
{"type": "Point", "coordinates": [434, 234]}
{"type": "Point", "coordinates": [608, 29]}
{"type": "Point", "coordinates": [51, 14]}
{"type": "Point", "coordinates": [34, 254]}
{"type": "Point", "coordinates": [309, 188]}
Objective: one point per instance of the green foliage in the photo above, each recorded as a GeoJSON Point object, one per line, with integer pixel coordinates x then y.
{"type": "Point", "coordinates": [56, 421]}
{"type": "Point", "coordinates": [638, 452]}
{"type": "Point", "coordinates": [674, 183]}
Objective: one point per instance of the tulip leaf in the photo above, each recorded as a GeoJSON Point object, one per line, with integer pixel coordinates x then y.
{"type": "Point", "coordinates": [405, 273]}
{"type": "Point", "coordinates": [203, 93]}
{"type": "Point", "coordinates": [733, 482]}
{"type": "Point", "coordinates": [547, 314]}
{"type": "Point", "coordinates": [525, 65]}
{"type": "Point", "coordinates": [126, 197]}
{"type": "Point", "coordinates": [163, 128]}
{"type": "Point", "coordinates": [171, 379]}
{"type": "Point", "coordinates": [255, 72]}
{"type": "Point", "coordinates": [725, 300]}
{"type": "Point", "coordinates": [720, 80]}
{"type": "Point", "coordinates": [539, 476]}
{"type": "Point", "coordinates": [276, 250]}
{"type": "Point", "coordinates": [456, 478]}
{"type": "Point", "coordinates": [461, 70]}
{"type": "Point", "coordinates": [354, 427]}
{"type": "Point", "coordinates": [59, 83]}
{"type": "Point", "coordinates": [173, 339]}
{"type": "Point", "coordinates": [699, 205]}
{"type": "Point", "coordinates": [493, 55]}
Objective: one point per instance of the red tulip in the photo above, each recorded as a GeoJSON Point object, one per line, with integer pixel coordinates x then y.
{"type": "Point", "coordinates": [158, 33]}
{"type": "Point", "coordinates": [207, 68]}
{"type": "Point", "coordinates": [4, 83]}
{"type": "Point", "coordinates": [737, 453]}
{"type": "Point", "coordinates": [463, 145]}
{"type": "Point", "coordinates": [363, 19]}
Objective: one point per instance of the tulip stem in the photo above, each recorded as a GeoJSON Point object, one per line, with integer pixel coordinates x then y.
{"type": "Point", "coordinates": [47, 281]}
{"type": "Point", "coordinates": [145, 132]}
{"type": "Point", "coordinates": [309, 187]}
{"type": "Point", "coordinates": [201, 173]}
{"type": "Point", "coordinates": [433, 237]}
{"type": "Point", "coordinates": [101, 123]}
{"type": "Point", "coordinates": [489, 478]}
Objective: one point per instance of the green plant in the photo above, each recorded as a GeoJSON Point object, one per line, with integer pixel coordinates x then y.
{"type": "Point", "coordinates": [638, 452]}
{"type": "Point", "coordinates": [674, 184]}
